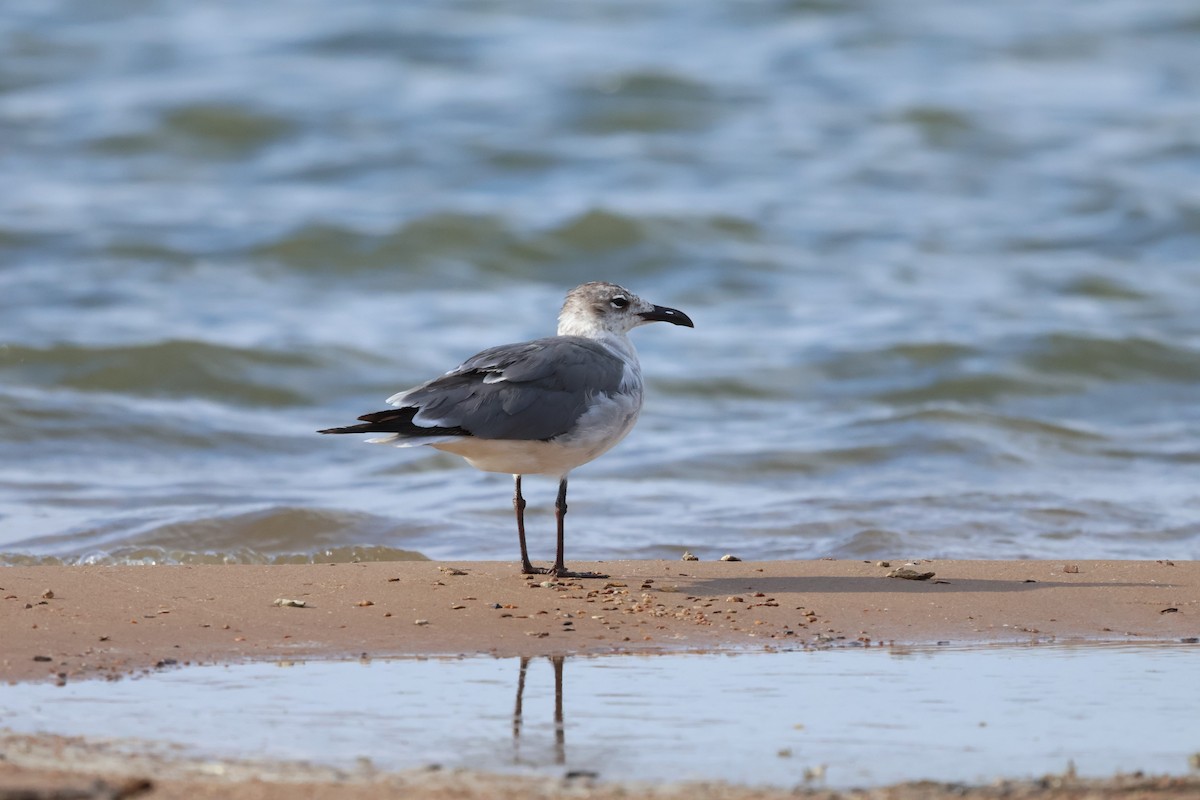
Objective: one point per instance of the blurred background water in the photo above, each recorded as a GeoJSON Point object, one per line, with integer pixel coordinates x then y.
{"type": "Point", "coordinates": [942, 259]}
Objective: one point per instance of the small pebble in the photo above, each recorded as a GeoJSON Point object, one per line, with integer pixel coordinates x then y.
{"type": "Point", "coordinates": [728, 557]}
{"type": "Point", "coordinates": [910, 574]}
{"type": "Point", "coordinates": [688, 557]}
{"type": "Point", "coordinates": [284, 602]}
{"type": "Point", "coordinates": [420, 622]}
{"type": "Point", "coordinates": [581, 774]}
{"type": "Point", "coordinates": [48, 594]}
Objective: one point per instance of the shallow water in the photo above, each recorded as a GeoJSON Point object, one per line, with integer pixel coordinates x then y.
{"type": "Point", "coordinates": [941, 258]}
{"type": "Point", "coordinates": [841, 718]}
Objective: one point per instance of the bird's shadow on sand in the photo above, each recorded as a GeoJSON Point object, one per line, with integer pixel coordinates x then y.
{"type": "Point", "coordinates": [861, 584]}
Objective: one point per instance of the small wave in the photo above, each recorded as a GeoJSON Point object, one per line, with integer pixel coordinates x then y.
{"type": "Point", "coordinates": [277, 535]}
{"type": "Point", "coordinates": [870, 542]}
{"type": "Point", "coordinates": [763, 385]}
{"type": "Point", "coordinates": [437, 247]}
{"type": "Point", "coordinates": [125, 556]}
{"type": "Point", "coordinates": [941, 127]}
{"type": "Point", "coordinates": [1114, 359]}
{"type": "Point", "coordinates": [1100, 287]}
{"type": "Point", "coordinates": [976, 417]}
{"type": "Point", "coordinates": [276, 530]}
{"type": "Point", "coordinates": [432, 240]}
{"type": "Point", "coordinates": [445, 48]}
{"type": "Point", "coordinates": [642, 102]}
{"type": "Point", "coordinates": [178, 368]}
{"type": "Point", "coordinates": [201, 132]}
{"type": "Point", "coordinates": [902, 356]}
{"type": "Point", "coordinates": [1052, 364]}
{"type": "Point", "coordinates": [973, 388]}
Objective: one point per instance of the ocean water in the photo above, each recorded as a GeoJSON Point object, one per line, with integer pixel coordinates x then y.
{"type": "Point", "coordinates": [943, 260]}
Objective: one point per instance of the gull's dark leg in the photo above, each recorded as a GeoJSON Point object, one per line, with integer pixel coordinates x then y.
{"type": "Point", "coordinates": [560, 513]}
{"type": "Point", "coordinates": [519, 507]}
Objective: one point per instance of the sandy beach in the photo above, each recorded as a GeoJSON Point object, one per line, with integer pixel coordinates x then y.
{"type": "Point", "coordinates": [65, 624]}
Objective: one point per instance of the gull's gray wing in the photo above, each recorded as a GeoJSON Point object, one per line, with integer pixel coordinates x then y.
{"type": "Point", "coordinates": [530, 391]}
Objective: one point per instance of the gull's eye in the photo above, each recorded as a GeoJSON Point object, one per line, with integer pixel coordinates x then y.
{"type": "Point", "coordinates": [620, 302]}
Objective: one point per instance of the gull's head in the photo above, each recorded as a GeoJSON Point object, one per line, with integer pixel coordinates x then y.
{"type": "Point", "coordinates": [598, 308]}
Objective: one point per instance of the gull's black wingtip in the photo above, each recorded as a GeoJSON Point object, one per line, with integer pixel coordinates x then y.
{"type": "Point", "coordinates": [350, 429]}
{"type": "Point", "coordinates": [377, 422]}
{"type": "Point", "coordinates": [396, 420]}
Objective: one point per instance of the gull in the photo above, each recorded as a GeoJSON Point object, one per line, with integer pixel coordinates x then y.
{"type": "Point", "coordinates": [541, 407]}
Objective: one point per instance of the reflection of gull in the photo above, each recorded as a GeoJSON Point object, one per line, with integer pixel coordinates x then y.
{"type": "Point", "coordinates": [535, 408]}
{"type": "Point", "coordinates": [560, 736]}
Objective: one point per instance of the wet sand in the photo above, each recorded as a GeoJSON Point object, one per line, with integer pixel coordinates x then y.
{"type": "Point", "coordinates": [63, 768]}
{"type": "Point", "coordinates": [71, 623]}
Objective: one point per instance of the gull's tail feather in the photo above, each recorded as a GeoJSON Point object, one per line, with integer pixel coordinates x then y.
{"type": "Point", "coordinates": [399, 422]}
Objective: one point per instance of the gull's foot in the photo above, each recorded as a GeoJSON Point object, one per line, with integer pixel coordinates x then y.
{"type": "Point", "coordinates": [529, 569]}
{"type": "Point", "coordinates": [566, 573]}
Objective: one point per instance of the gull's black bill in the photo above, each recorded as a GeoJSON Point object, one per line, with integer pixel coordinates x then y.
{"type": "Point", "coordinates": [664, 314]}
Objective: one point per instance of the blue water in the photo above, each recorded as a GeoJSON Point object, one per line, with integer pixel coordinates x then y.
{"type": "Point", "coordinates": [942, 260]}
{"type": "Point", "coordinates": [838, 718]}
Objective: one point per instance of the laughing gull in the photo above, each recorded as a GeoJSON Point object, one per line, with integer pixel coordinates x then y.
{"type": "Point", "coordinates": [541, 407]}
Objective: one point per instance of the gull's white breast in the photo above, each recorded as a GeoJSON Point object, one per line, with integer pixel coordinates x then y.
{"type": "Point", "coordinates": [598, 430]}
